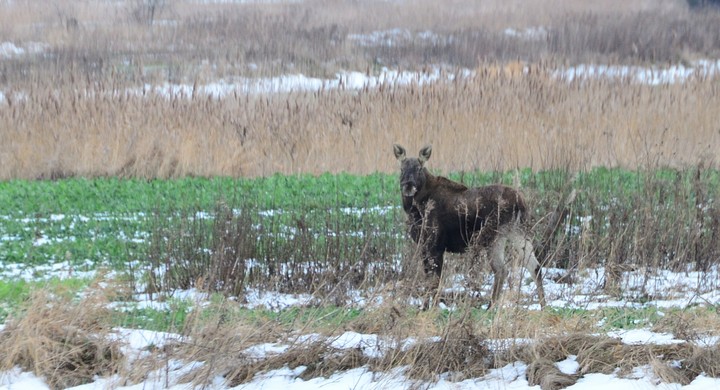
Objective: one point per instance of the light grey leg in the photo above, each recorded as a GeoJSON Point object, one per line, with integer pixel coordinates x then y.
{"type": "Point", "coordinates": [497, 264]}
{"type": "Point", "coordinates": [524, 248]}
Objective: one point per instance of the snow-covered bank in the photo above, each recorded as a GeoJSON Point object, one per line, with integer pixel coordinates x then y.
{"type": "Point", "coordinates": [510, 376]}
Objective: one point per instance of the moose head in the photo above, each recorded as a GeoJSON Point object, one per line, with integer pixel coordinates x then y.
{"type": "Point", "coordinates": [412, 170]}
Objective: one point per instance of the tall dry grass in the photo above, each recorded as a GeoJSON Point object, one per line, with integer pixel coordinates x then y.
{"type": "Point", "coordinates": [68, 343]}
{"type": "Point", "coordinates": [489, 121]}
{"type": "Point", "coordinates": [65, 110]}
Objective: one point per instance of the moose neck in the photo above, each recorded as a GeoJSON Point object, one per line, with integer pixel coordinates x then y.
{"type": "Point", "coordinates": [427, 189]}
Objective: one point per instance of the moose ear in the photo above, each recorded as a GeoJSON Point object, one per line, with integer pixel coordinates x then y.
{"type": "Point", "coordinates": [425, 153]}
{"type": "Point", "coordinates": [399, 152]}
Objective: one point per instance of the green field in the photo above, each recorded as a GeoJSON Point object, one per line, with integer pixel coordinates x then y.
{"type": "Point", "coordinates": [111, 222]}
{"type": "Point", "coordinates": [295, 233]}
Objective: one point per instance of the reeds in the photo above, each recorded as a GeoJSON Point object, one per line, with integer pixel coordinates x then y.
{"type": "Point", "coordinates": [488, 122]}
{"type": "Point", "coordinates": [86, 103]}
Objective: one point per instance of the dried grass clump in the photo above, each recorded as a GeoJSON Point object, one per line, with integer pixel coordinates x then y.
{"type": "Point", "coordinates": [460, 353]}
{"type": "Point", "coordinates": [387, 319]}
{"type": "Point", "coordinates": [65, 342]}
{"type": "Point", "coordinates": [601, 356]}
{"type": "Point", "coordinates": [547, 375]}
{"type": "Point", "coordinates": [704, 361]}
{"type": "Point", "coordinates": [690, 325]}
{"type": "Point", "coordinates": [220, 339]}
{"type": "Point", "coordinates": [227, 345]}
{"type": "Point", "coordinates": [556, 348]}
{"type": "Point", "coordinates": [319, 359]}
{"type": "Point", "coordinates": [672, 363]}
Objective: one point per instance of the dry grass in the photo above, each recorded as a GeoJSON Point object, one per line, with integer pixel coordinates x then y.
{"type": "Point", "coordinates": [67, 112]}
{"type": "Point", "coordinates": [474, 123]}
{"type": "Point", "coordinates": [459, 352]}
{"type": "Point", "coordinates": [547, 375]}
{"type": "Point", "coordinates": [188, 40]}
{"type": "Point", "coordinates": [67, 343]}
{"type": "Point", "coordinates": [457, 349]}
{"type": "Point", "coordinates": [689, 325]}
{"type": "Point", "coordinates": [672, 363]}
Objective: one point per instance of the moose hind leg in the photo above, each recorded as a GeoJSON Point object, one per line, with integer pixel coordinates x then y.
{"type": "Point", "coordinates": [497, 264]}
{"type": "Point", "coordinates": [524, 249]}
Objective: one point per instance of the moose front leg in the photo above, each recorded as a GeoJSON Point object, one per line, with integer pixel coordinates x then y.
{"type": "Point", "coordinates": [433, 262]}
{"type": "Point", "coordinates": [432, 267]}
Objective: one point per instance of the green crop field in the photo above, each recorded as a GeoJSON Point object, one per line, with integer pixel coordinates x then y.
{"type": "Point", "coordinates": [342, 223]}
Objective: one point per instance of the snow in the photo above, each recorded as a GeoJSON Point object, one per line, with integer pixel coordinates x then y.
{"type": "Point", "coordinates": [17, 380]}
{"type": "Point", "coordinates": [298, 83]}
{"type": "Point", "coordinates": [530, 33]}
{"type": "Point", "coordinates": [137, 343]}
{"type": "Point", "coordinates": [654, 75]}
{"type": "Point", "coordinates": [396, 37]}
{"type": "Point", "coordinates": [569, 366]}
{"type": "Point", "coordinates": [36, 272]}
{"type": "Point", "coordinates": [643, 336]}
{"type": "Point", "coordinates": [274, 300]}
{"type": "Point", "coordinates": [245, 1]}
{"type": "Point", "coordinates": [509, 377]}
{"type": "Point", "coordinates": [351, 80]}
{"type": "Point", "coordinates": [10, 50]}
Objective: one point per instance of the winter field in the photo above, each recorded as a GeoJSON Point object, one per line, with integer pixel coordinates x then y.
{"type": "Point", "coordinates": [213, 287]}
{"type": "Point", "coordinates": [202, 194]}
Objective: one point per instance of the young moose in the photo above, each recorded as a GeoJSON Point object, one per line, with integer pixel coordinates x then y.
{"type": "Point", "coordinates": [444, 215]}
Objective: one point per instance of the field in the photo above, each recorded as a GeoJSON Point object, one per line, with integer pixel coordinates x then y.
{"type": "Point", "coordinates": [203, 193]}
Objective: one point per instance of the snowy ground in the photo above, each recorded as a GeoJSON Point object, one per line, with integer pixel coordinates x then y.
{"type": "Point", "coordinates": [353, 80]}
{"type": "Point", "coordinates": [672, 289]}
{"type": "Point", "coordinates": [357, 80]}
{"type": "Point", "coordinates": [511, 376]}
{"type": "Point", "coordinates": [642, 288]}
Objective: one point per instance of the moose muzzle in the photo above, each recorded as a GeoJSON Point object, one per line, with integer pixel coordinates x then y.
{"type": "Point", "coordinates": [409, 189]}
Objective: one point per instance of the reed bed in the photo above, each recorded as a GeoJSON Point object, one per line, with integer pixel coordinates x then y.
{"type": "Point", "coordinates": [79, 100]}
{"type": "Point", "coordinates": [488, 122]}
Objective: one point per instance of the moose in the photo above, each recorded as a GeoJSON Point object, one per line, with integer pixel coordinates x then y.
{"type": "Point", "coordinates": [447, 216]}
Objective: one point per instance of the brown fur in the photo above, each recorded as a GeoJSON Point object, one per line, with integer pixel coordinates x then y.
{"type": "Point", "coordinates": [446, 216]}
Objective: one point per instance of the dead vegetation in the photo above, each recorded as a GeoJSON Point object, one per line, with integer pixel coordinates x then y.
{"type": "Point", "coordinates": [460, 350]}
{"type": "Point", "coordinates": [671, 363]}
{"type": "Point", "coordinates": [87, 104]}
{"type": "Point", "coordinates": [561, 125]}
{"type": "Point", "coordinates": [70, 342]}
{"type": "Point", "coordinates": [67, 343]}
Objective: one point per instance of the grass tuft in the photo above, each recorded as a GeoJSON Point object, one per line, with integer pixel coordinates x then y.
{"type": "Point", "coordinates": [65, 342]}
